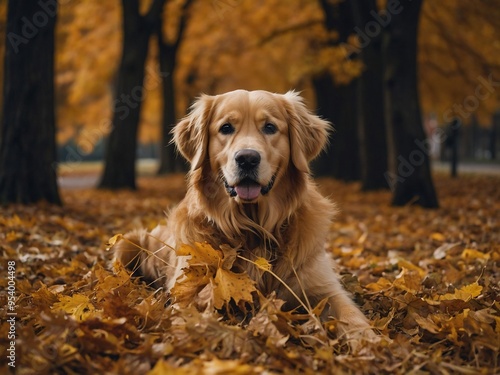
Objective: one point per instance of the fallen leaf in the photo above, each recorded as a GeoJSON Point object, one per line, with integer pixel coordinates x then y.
{"type": "Point", "coordinates": [408, 280]}
{"type": "Point", "coordinates": [201, 254]}
{"type": "Point", "coordinates": [237, 286]}
{"type": "Point", "coordinates": [77, 305]}
{"type": "Point", "coordinates": [381, 284]}
{"type": "Point", "coordinates": [474, 254]}
{"type": "Point", "coordinates": [465, 293]}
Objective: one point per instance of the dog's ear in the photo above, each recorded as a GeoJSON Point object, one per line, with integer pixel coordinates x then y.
{"type": "Point", "coordinates": [191, 133]}
{"type": "Point", "coordinates": [308, 132]}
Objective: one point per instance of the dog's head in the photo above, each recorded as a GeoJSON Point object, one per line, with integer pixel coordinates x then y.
{"type": "Point", "coordinates": [249, 139]}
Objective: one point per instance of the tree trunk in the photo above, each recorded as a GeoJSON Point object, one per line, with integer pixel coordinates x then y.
{"type": "Point", "coordinates": [370, 102]}
{"type": "Point", "coordinates": [170, 161]}
{"type": "Point", "coordinates": [119, 171]}
{"type": "Point", "coordinates": [27, 143]}
{"type": "Point", "coordinates": [336, 103]}
{"type": "Point", "coordinates": [409, 175]}
{"type": "Point", "coordinates": [495, 134]}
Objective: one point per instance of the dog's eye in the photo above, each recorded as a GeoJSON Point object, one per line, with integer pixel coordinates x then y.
{"type": "Point", "coordinates": [226, 129]}
{"type": "Point", "coordinates": [269, 128]}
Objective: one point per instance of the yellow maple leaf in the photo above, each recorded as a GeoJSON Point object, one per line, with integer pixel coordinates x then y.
{"type": "Point", "coordinates": [109, 281]}
{"type": "Point", "coordinates": [201, 254]}
{"type": "Point", "coordinates": [77, 305]}
{"type": "Point", "coordinates": [237, 286]}
{"type": "Point", "coordinates": [381, 284]}
{"type": "Point", "coordinates": [466, 293]}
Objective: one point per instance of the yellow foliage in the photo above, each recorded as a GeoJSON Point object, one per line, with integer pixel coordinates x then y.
{"type": "Point", "coordinates": [237, 286]}
{"type": "Point", "coordinates": [459, 49]}
{"type": "Point", "coordinates": [465, 293]}
{"type": "Point", "coordinates": [208, 280]}
{"type": "Point", "coordinates": [77, 305]}
{"type": "Point", "coordinates": [76, 310]}
{"type": "Point", "coordinates": [202, 254]}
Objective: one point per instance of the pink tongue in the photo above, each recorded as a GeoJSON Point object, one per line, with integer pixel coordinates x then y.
{"type": "Point", "coordinates": [248, 192]}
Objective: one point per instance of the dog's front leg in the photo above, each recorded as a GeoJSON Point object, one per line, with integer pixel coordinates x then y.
{"type": "Point", "coordinates": [321, 281]}
{"type": "Point", "coordinates": [148, 255]}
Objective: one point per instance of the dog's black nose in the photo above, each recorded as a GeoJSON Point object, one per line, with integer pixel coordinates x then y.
{"type": "Point", "coordinates": [247, 159]}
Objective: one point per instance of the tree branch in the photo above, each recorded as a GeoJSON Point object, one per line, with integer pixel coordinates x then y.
{"type": "Point", "coordinates": [183, 22]}
{"type": "Point", "coordinates": [289, 29]}
{"type": "Point", "coordinates": [455, 45]}
{"type": "Point", "coordinates": [153, 16]}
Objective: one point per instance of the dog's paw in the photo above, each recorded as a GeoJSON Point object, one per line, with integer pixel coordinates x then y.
{"type": "Point", "coordinates": [129, 250]}
{"type": "Point", "coordinates": [362, 339]}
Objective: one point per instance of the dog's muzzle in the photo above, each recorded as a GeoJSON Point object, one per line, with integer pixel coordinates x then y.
{"type": "Point", "coordinates": [248, 189]}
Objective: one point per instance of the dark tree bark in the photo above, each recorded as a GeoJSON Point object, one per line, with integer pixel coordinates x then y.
{"type": "Point", "coordinates": [409, 175]}
{"type": "Point", "coordinates": [170, 161]}
{"type": "Point", "coordinates": [27, 140]}
{"type": "Point", "coordinates": [336, 103]}
{"type": "Point", "coordinates": [119, 171]}
{"type": "Point", "coordinates": [495, 134]}
{"type": "Point", "coordinates": [370, 101]}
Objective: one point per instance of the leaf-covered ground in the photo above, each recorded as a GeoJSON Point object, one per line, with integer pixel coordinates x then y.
{"type": "Point", "coordinates": [428, 279]}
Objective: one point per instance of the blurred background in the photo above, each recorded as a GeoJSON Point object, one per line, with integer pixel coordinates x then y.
{"type": "Point", "coordinates": [339, 54]}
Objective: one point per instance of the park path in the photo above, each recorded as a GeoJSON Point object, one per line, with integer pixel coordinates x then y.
{"type": "Point", "coordinates": [86, 175]}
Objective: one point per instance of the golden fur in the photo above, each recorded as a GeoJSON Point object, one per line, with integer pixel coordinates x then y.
{"type": "Point", "coordinates": [287, 225]}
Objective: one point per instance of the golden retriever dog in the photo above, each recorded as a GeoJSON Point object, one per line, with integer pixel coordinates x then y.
{"type": "Point", "coordinates": [250, 187]}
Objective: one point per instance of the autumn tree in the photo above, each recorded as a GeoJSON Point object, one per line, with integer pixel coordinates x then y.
{"type": "Point", "coordinates": [409, 175]}
{"type": "Point", "coordinates": [454, 61]}
{"type": "Point", "coordinates": [347, 81]}
{"type": "Point", "coordinates": [336, 101]}
{"type": "Point", "coordinates": [369, 103]}
{"type": "Point", "coordinates": [121, 149]}
{"type": "Point", "coordinates": [168, 51]}
{"type": "Point", "coordinates": [27, 140]}
{"type": "Point", "coordinates": [3, 17]}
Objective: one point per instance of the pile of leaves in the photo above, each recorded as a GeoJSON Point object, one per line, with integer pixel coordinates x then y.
{"type": "Point", "coordinates": [429, 281]}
